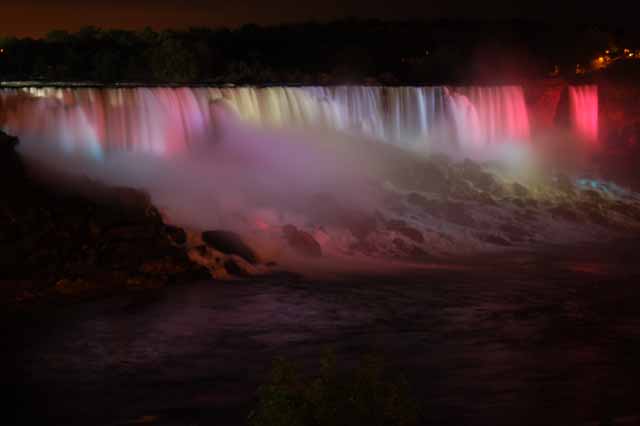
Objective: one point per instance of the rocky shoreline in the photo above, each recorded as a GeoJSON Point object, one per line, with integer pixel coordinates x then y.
{"type": "Point", "coordinates": [63, 245]}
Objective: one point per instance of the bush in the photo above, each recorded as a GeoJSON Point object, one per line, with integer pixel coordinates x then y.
{"type": "Point", "coordinates": [360, 397]}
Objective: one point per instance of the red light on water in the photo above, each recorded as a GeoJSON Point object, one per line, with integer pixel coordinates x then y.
{"type": "Point", "coordinates": [584, 113]}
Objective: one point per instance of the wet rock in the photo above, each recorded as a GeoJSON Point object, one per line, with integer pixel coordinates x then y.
{"type": "Point", "coordinates": [302, 242]}
{"type": "Point", "coordinates": [360, 225]}
{"type": "Point", "coordinates": [86, 240]}
{"type": "Point", "coordinates": [592, 196]}
{"type": "Point", "coordinates": [11, 167]}
{"type": "Point", "coordinates": [235, 265]}
{"type": "Point", "coordinates": [519, 202]}
{"type": "Point", "coordinates": [423, 202]}
{"type": "Point", "coordinates": [520, 190]}
{"type": "Point", "coordinates": [564, 184]}
{"type": "Point", "coordinates": [514, 232]}
{"type": "Point", "coordinates": [405, 230]}
{"type": "Point", "coordinates": [492, 239]}
{"type": "Point", "coordinates": [365, 247]}
{"type": "Point", "coordinates": [457, 213]}
{"type": "Point", "coordinates": [565, 212]}
{"type": "Point", "coordinates": [138, 233]}
{"type": "Point", "coordinates": [425, 176]}
{"type": "Point", "coordinates": [229, 243]}
{"type": "Point", "coordinates": [481, 179]}
{"type": "Point", "coordinates": [485, 198]}
{"type": "Point", "coordinates": [626, 209]}
{"type": "Point", "coordinates": [75, 287]}
{"type": "Point", "coordinates": [462, 189]}
{"type": "Point", "coordinates": [176, 234]}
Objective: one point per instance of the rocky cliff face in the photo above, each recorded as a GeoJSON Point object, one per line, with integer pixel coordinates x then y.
{"type": "Point", "coordinates": [94, 240]}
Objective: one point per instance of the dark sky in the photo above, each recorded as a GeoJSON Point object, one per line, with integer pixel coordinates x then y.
{"type": "Point", "coordinates": [37, 17]}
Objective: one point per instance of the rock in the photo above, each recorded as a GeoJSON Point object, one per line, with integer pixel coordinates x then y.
{"type": "Point", "coordinates": [492, 239]}
{"type": "Point", "coordinates": [457, 213]}
{"type": "Point", "coordinates": [626, 209]}
{"type": "Point", "coordinates": [426, 176]}
{"type": "Point", "coordinates": [175, 234]}
{"type": "Point", "coordinates": [235, 265]}
{"type": "Point", "coordinates": [360, 225]}
{"type": "Point", "coordinates": [74, 287]}
{"type": "Point", "coordinates": [520, 190]}
{"type": "Point", "coordinates": [514, 232]}
{"type": "Point", "coordinates": [12, 173]}
{"type": "Point", "coordinates": [419, 200]}
{"type": "Point", "coordinates": [593, 196]}
{"type": "Point", "coordinates": [130, 233]}
{"type": "Point", "coordinates": [229, 243]}
{"type": "Point", "coordinates": [365, 247]}
{"type": "Point", "coordinates": [481, 179]}
{"type": "Point", "coordinates": [564, 211]}
{"type": "Point", "coordinates": [302, 242]}
{"type": "Point", "coordinates": [82, 237]}
{"type": "Point", "coordinates": [405, 230]}
{"type": "Point", "coordinates": [564, 184]}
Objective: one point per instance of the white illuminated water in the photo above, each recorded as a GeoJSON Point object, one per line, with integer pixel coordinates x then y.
{"type": "Point", "coordinates": [166, 120]}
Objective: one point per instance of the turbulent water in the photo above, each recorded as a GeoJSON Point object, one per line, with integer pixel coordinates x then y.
{"type": "Point", "coordinates": [166, 120]}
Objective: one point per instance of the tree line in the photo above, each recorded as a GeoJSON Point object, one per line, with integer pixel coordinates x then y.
{"type": "Point", "coordinates": [345, 51]}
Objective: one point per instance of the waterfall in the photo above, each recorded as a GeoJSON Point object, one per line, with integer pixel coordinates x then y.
{"type": "Point", "coordinates": [583, 102]}
{"type": "Point", "coordinates": [165, 120]}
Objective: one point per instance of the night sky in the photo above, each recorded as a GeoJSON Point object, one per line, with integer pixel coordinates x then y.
{"type": "Point", "coordinates": [36, 17]}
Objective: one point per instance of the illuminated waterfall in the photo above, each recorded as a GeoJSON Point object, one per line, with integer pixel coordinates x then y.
{"type": "Point", "coordinates": [167, 120]}
{"type": "Point", "coordinates": [583, 102]}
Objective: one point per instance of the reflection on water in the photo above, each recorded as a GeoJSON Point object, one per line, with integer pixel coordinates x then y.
{"type": "Point", "coordinates": [535, 339]}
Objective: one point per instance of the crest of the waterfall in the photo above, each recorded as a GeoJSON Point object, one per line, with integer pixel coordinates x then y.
{"type": "Point", "coordinates": [470, 121]}
{"type": "Point", "coordinates": [584, 113]}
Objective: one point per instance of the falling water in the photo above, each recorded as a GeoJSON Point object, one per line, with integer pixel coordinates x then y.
{"type": "Point", "coordinates": [584, 112]}
{"type": "Point", "coordinates": [166, 120]}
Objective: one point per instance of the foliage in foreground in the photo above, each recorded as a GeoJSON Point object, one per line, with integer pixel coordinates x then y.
{"type": "Point", "coordinates": [360, 397]}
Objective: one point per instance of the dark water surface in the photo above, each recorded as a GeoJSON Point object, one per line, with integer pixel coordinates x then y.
{"type": "Point", "coordinates": [550, 338]}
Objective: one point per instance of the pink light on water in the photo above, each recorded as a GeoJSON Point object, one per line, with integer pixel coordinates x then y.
{"type": "Point", "coordinates": [584, 113]}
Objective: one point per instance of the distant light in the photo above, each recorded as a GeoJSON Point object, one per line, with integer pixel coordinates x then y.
{"type": "Point", "coordinates": [601, 59]}
{"type": "Point", "coordinates": [1, 50]}
{"type": "Point", "coordinates": [607, 52]}
{"type": "Point", "coordinates": [631, 55]}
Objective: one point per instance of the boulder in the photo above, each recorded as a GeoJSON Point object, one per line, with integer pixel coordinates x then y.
{"type": "Point", "coordinates": [520, 190]}
{"type": "Point", "coordinates": [565, 212]}
{"type": "Point", "coordinates": [405, 230]}
{"type": "Point", "coordinates": [492, 239]}
{"type": "Point", "coordinates": [457, 213]}
{"type": "Point", "coordinates": [481, 179]}
{"type": "Point", "coordinates": [235, 265]}
{"type": "Point", "coordinates": [229, 242]}
{"type": "Point", "coordinates": [564, 184]}
{"type": "Point", "coordinates": [426, 204]}
{"type": "Point", "coordinates": [11, 168]}
{"type": "Point", "coordinates": [592, 196]}
{"type": "Point", "coordinates": [175, 234]}
{"type": "Point", "coordinates": [302, 242]}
